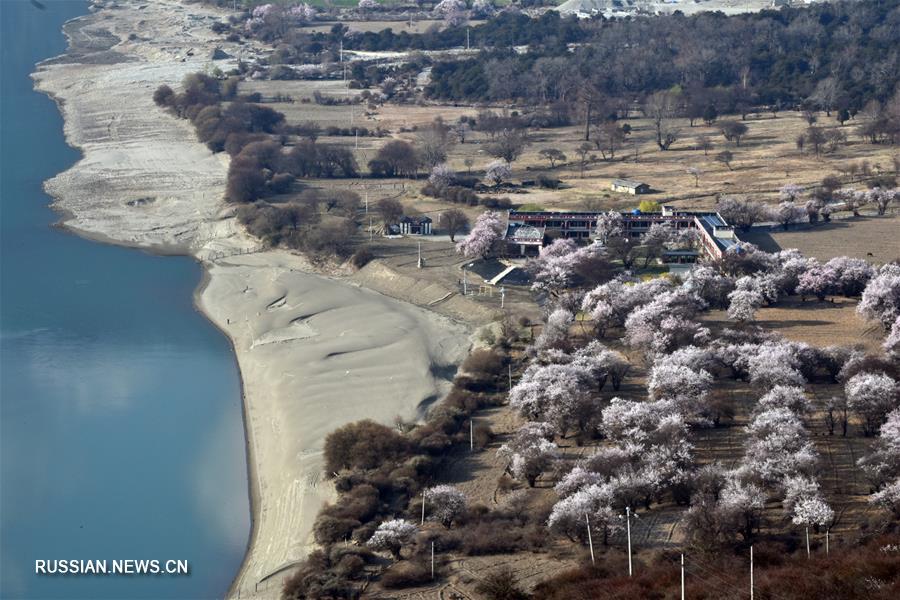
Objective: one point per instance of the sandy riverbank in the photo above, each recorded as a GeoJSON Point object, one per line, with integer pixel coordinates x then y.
{"type": "Point", "coordinates": [314, 352]}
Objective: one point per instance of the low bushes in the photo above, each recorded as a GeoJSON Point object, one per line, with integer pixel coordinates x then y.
{"type": "Point", "coordinates": [494, 538]}
{"type": "Point", "coordinates": [551, 183]}
{"type": "Point", "coordinates": [485, 369]}
{"type": "Point", "coordinates": [463, 194]}
{"type": "Point", "coordinates": [361, 257]}
{"type": "Point", "coordinates": [299, 226]}
{"type": "Point", "coordinates": [406, 574]}
{"type": "Point", "coordinates": [868, 572]}
{"type": "Point", "coordinates": [496, 203]}
{"type": "Point", "coordinates": [451, 193]}
{"type": "Point", "coordinates": [335, 131]}
{"type": "Point", "coordinates": [363, 445]}
{"type": "Point", "coordinates": [316, 579]}
{"type": "Point", "coordinates": [501, 585]}
{"type": "Point", "coordinates": [330, 530]}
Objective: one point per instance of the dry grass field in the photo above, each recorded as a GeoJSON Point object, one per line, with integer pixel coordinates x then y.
{"type": "Point", "coordinates": [766, 159]}
{"type": "Point", "coordinates": [872, 238]}
{"type": "Point", "coordinates": [833, 322]}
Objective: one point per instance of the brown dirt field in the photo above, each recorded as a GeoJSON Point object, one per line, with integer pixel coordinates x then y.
{"type": "Point", "coordinates": [872, 238]}
{"type": "Point", "coordinates": [466, 572]}
{"type": "Point", "coordinates": [389, 116]}
{"type": "Point", "coordinates": [834, 322]}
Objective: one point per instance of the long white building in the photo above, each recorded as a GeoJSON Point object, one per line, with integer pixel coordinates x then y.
{"type": "Point", "coordinates": [527, 232]}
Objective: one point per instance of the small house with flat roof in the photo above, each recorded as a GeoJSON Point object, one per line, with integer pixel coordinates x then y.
{"type": "Point", "coordinates": [630, 186]}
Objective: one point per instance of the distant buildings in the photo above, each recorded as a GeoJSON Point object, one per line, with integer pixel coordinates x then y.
{"type": "Point", "coordinates": [528, 232]}
{"type": "Point", "coordinates": [629, 186]}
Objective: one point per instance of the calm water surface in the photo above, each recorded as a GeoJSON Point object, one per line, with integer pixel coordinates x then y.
{"type": "Point", "coordinates": [120, 423]}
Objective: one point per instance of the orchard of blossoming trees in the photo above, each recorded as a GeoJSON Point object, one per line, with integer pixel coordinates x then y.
{"type": "Point", "coordinates": [616, 404]}
{"type": "Point", "coordinates": [644, 448]}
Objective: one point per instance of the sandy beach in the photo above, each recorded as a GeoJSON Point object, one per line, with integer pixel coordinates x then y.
{"type": "Point", "coordinates": [314, 352]}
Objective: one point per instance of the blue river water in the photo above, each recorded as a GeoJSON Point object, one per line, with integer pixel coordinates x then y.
{"type": "Point", "coordinates": [120, 418]}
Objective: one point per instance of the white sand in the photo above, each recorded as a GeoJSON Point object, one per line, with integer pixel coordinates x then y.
{"type": "Point", "coordinates": [314, 352]}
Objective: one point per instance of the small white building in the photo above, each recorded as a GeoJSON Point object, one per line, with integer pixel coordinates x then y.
{"type": "Point", "coordinates": [415, 225]}
{"type": "Point", "coordinates": [629, 186]}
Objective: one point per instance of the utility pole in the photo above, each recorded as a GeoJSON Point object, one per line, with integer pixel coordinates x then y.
{"type": "Point", "coordinates": [370, 229]}
{"type": "Point", "coordinates": [419, 261]}
{"type": "Point", "coordinates": [502, 297]}
{"type": "Point", "coordinates": [826, 541]}
{"type": "Point", "coordinates": [367, 200]}
{"type": "Point", "coordinates": [423, 508]}
{"type": "Point", "coordinates": [432, 560]}
{"type": "Point", "coordinates": [471, 435]}
{"type": "Point", "coordinates": [343, 72]}
{"type": "Point", "coordinates": [682, 576]}
{"type": "Point", "coordinates": [590, 539]}
{"type": "Point", "coordinates": [628, 531]}
{"type": "Point", "coordinates": [751, 572]}
{"type": "Point", "coordinates": [465, 285]}
{"type": "Point", "coordinates": [467, 38]}
{"type": "Point", "coordinates": [509, 374]}
{"type": "Point", "coordinates": [807, 542]}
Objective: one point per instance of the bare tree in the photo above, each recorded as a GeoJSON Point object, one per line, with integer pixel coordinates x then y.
{"type": "Point", "coordinates": [705, 144]}
{"type": "Point", "coordinates": [660, 108]}
{"type": "Point", "coordinates": [695, 173]}
{"type": "Point", "coordinates": [391, 210]}
{"type": "Point", "coordinates": [725, 157]}
{"type": "Point", "coordinates": [508, 144]}
{"type": "Point", "coordinates": [592, 102]}
{"type": "Point", "coordinates": [433, 142]}
{"type": "Point", "coordinates": [454, 221]}
{"type": "Point", "coordinates": [834, 138]}
{"type": "Point", "coordinates": [552, 155]}
{"type": "Point", "coordinates": [733, 131]}
{"type": "Point", "coordinates": [826, 95]}
{"type": "Point", "coordinates": [609, 137]}
{"type": "Point", "coordinates": [810, 115]}
{"type": "Point", "coordinates": [396, 158]}
{"type": "Point", "coordinates": [583, 153]}
{"type": "Point", "coordinates": [461, 130]}
{"type": "Point", "coordinates": [816, 138]}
